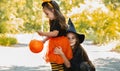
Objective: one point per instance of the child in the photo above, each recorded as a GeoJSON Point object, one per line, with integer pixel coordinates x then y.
{"type": "Point", "coordinates": [80, 60]}
{"type": "Point", "coordinates": [56, 36]}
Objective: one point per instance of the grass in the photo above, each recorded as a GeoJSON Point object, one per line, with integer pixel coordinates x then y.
{"type": "Point", "coordinates": [117, 49]}
{"type": "Point", "coordinates": [7, 41]}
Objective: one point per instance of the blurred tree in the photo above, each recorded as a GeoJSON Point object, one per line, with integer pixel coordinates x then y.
{"type": "Point", "coordinates": [27, 16]}
{"type": "Point", "coordinates": [67, 5]}
{"type": "Point", "coordinates": [98, 26]}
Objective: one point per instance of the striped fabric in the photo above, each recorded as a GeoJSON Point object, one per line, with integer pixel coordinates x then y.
{"type": "Point", "coordinates": [57, 67]}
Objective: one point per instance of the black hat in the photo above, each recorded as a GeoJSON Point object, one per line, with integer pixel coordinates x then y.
{"type": "Point", "coordinates": [71, 28]}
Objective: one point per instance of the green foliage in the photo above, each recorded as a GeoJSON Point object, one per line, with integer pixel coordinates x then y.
{"type": "Point", "coordinates": [117, 49]}
{"type": "Point", "coordinates": [18, 16]}
{"type": "Point", "coordinates": [7, 41]}
{"type": "Point", "coordinates": [112, 4]}
{"type": "Point", "coordinates": [31, 27]}
{"type": "Point", "coordinates": [98, 26]}
{"type": "Point", "coordinates": [67, 5]}
{"type": "Point", "coordinates": [3, 28]}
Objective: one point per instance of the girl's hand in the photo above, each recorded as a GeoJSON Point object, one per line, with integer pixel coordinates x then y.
{"type": "Point", "coordinates": [58, 50]}
{"type": "Point", "coordinates": [40, 33]}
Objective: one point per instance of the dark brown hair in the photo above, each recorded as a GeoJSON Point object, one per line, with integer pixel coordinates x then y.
{"type": "Point", "coordinates": [84, 53]}
{"type": "Point", "coordinates": [58, 15]}
{"type": "Point", "coordinates": [78, 45]}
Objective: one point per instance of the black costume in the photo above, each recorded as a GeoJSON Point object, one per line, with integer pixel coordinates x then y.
{"type": "Point", "coordinates": [80, 60]}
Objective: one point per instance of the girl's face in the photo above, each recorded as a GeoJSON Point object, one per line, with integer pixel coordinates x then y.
{"type": "Point", "coordinates": [49, 13]}
{"type": "Point", "coordinates": [72, 39]}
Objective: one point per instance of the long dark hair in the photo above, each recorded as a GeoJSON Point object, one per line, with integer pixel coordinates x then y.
{"type": "Point", "coordinates": [78, 45]}
{"type": "Point", "coordinates": [58, 15]}
{"type": "Point", "coordinates": [84, 53]}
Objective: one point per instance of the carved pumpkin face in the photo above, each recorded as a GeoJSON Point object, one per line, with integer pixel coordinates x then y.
{"type": "Point", "coordinates": [36, 46]}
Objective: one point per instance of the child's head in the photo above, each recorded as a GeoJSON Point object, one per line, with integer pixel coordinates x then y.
{"type": "Point", "coordinates": [73, 39]}
{"type": "Point", "coordinates": [48, 10]}
{"type": "Point", "coordinates": [52, 10]}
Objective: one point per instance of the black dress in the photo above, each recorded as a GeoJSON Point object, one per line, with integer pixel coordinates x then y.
{"type": "Point", "coordinates": [54, 25]}
{"type": "Point", "coordinates": [79, 57]}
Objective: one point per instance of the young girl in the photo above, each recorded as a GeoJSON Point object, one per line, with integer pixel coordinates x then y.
{"type": "Point", "coordinates": [80, 60]}
{"type": "Point", "coordinates": [56, 36]}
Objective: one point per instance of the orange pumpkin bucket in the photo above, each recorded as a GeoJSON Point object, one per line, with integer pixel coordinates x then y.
{"type": "Point", "coordinates": [36, 46]}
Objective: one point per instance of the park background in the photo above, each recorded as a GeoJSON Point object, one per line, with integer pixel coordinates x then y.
{"type": "Point", "coordinates": [99, 20]}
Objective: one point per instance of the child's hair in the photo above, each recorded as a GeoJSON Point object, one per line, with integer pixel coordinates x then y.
{"type": "Point", "coordinates": [83, 52]}
{"type": "Point", "coordinates": [57, 13]}
{"type": "Point", "coordinates": [78, 45]}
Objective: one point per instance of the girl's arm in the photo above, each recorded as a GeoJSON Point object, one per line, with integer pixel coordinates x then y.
{"type": "Point", "coordinates": [49, 34]}
{"type": "Point", "coordinates": [58, 50]}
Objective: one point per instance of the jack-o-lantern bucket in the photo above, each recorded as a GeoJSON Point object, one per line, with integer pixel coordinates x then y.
{"type": "Point", "coordinates": [36, 46]}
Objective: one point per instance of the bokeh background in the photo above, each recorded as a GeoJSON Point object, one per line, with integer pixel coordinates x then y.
{"type": "Point", "coordinates": [99, 20]}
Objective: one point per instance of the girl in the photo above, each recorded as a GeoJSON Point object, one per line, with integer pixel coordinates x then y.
{"type": "Point", "coordinates": [80, 60]}
{"type": "Point", "coordinates": [56, 36]}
